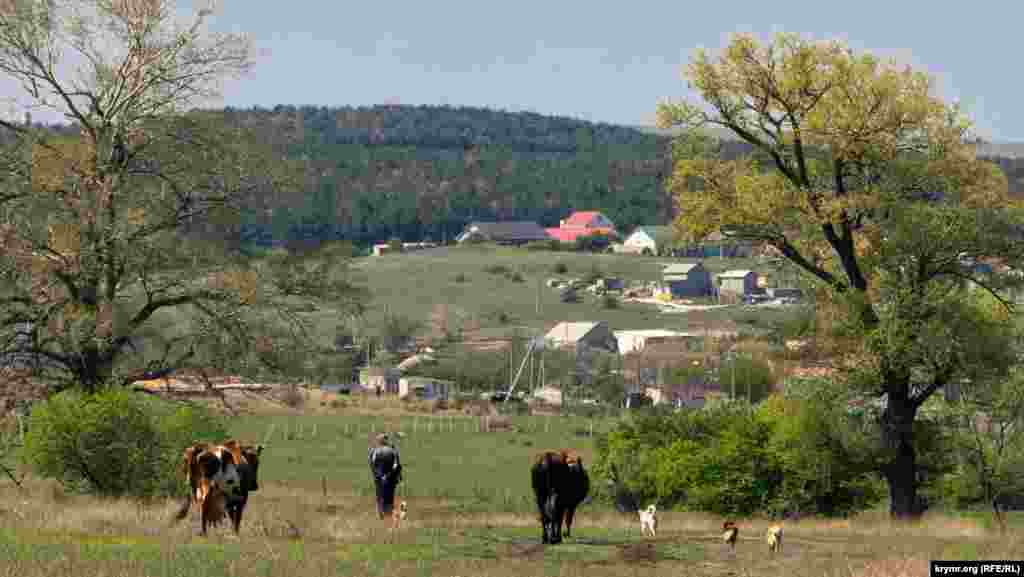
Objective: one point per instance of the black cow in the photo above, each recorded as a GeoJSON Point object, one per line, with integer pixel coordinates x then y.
{"type": "Point", "coordinates": [560, 484]}
{"type": "Point", "coordinates": [248, 470]}
{"type": "Point", "coordinates": [387, 473]}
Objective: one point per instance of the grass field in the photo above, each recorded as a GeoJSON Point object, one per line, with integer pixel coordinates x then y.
{"type": "Point", "coordinates": [470, 515]}
{"type": "Point", "coordinates": [413, 284]}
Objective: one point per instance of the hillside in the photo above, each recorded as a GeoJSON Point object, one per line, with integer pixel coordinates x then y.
{"type": "Point", "coordinates": [424, 171]}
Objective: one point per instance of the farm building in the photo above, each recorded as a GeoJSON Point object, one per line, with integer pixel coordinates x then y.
{"type": "Point", "coordinates": [652, 240]}
{"type": "Point", "coordinates": [387, 379]}
{"type": "Point", "coordinates": [550, 395]}
{"type": "Point", "coordinates": [582, 335]}
{"type": "Point", "coordinates": [424, 388]}
{"type": "Point", "coordinates": [579, 224]}
{"type": "Point", "coordinates": [509, 232]}
{"type": "Point", "coordinates": [738, 282]}
{"type": "Point", "coordinates": [636, 341]}
{"type": "Point", "coordinates": [687, 280]}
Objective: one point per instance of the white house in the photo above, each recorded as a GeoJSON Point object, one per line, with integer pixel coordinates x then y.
{"type": "Point", "coordinates": [423, 388]}
{"type": "Point", "coordinates": [636, 341]}
{"type": "Point", "coordinates": [651, 240]}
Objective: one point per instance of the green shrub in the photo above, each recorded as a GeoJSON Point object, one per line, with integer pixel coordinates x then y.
{"type": "Point", "coordinates": [610, 301]}
{"type": "Point", "coordinates": [789, 454]}
{"type": "Point", "coordinates": [116, 442]}
{"type": "Point", "coordinates": [561, 268]}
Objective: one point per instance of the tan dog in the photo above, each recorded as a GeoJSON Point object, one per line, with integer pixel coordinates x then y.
{"type": "Point", "coordinates": [730, 532]}
{"type": "Point", "coordinates": [398, 515]}
{"type": "Point", "coordinates": [774, 538]}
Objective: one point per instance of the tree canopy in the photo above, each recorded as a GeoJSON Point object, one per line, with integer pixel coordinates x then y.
{"type": "Point", "coordinates": [868, 181]}
{"type": "Point", "coordinates": [112, 232]}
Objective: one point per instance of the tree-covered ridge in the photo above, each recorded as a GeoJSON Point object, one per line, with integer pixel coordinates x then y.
{"type": "Point", "coordinates": [423, 172]}
{"type": "Point", "coordinates": [419, 172]}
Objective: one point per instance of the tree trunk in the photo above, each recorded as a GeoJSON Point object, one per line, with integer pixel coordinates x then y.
{"type": "Point", "coordinates": [901, 470]}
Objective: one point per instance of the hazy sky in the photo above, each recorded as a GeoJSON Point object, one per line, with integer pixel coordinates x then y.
{"type": "Point", "coordinates": [607, 62]}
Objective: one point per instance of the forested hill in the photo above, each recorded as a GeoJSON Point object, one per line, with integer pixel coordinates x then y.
{"type": "Point", "coordinates": [423, 172]}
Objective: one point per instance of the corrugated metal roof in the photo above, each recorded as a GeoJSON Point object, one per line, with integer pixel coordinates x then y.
{"type": "Point", "coordinates": [735, 273]}
{"type": "Point", "coordinates": [683, 268]}
{"type": "Point", "coordinates": [654, 333]}
{"type": "Point", "coordinates": [512, 230]}
{"type": "Point", "coordinates": [569, 332]}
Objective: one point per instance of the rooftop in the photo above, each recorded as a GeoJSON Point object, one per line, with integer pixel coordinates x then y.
{"type": "Point", "coordinates": [570, 331]}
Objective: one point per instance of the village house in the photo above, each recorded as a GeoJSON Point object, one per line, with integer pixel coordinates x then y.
{"type": "Point", "coordinates": [508, 232]}
{"type": "Point", "coordinates": [587, 341]}
{"type": "Point", "coordinates": [387, 379]}
{"type": "Point", "coordinates": [687, 280]}
{"type": "Point", "coordinates": [650, 240]}
{"type": "Point", "coordinates": [582, 335]}
{"type": "Point", "coordinates": [583, 223]}
{"type": "Point", "coordinates": [638, 340]}
{"type": "Point", "coordinates": [737, 283]}
{"type": "Point", "coordinates": [424, 388]}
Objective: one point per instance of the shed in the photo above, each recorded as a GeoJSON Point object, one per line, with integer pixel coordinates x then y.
{"type": "Point", "coordinates": [687, 280]}
{"type": "Point", "coordinates": [738, 282]}
{"type": "Point", "coordinates": [638, 340]}
{"type": "Point", "coordinates": [653, 240]}
{"type": "Point", "coordinates": [424, 388]}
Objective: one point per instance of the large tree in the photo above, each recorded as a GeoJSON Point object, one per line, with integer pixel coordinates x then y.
{"type": "Point", "coordinates": [869, 183]}
{"type": "Point", "coordinates": [114, 227]}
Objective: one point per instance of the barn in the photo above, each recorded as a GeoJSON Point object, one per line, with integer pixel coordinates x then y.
{"type": "Point", "coordinates": [687, 280]}
{"type": "Point", "coordinates": [738, 283]}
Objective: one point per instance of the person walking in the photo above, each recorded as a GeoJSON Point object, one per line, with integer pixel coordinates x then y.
{"type": "Point", "coordinates": [386, 468]}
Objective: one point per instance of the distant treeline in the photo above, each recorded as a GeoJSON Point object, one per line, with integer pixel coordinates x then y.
{"type": "Point", "coordinates": [423, 172]}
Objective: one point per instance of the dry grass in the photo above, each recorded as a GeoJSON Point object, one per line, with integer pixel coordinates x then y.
{"type": "Point", "coordinates": [47, 533]}
{"type": "Point", "coordinates": [470, 513]}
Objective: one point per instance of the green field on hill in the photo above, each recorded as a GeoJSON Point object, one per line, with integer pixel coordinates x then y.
{"type": "Point", "coordinates": [416, 284]}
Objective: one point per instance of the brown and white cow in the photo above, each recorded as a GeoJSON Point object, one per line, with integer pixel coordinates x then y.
{"type": "Point", "coordinates": [220, 478]}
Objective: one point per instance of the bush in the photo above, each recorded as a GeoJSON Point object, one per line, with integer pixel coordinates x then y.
{"type": "Point", "coordinates": [561, 268]}
{"type": "Point", "coordinates": [610, 301]}
{"type": "Point", "coordinates": [116, 442]}
{"type": "Point", "coordinates": [799, 454]}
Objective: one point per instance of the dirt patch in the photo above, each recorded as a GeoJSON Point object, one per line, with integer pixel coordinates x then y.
{"type": "Point", "coordinates": [639, 553]}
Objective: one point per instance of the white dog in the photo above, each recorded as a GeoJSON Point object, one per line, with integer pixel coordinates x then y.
{"type": "Point", "coordinates": [774, 538]}
{"type": "Point", "coordinates": [649, 520]}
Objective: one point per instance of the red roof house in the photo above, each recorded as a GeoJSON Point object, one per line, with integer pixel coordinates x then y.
{"type": "Point", "coordinates": [582, 223]}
